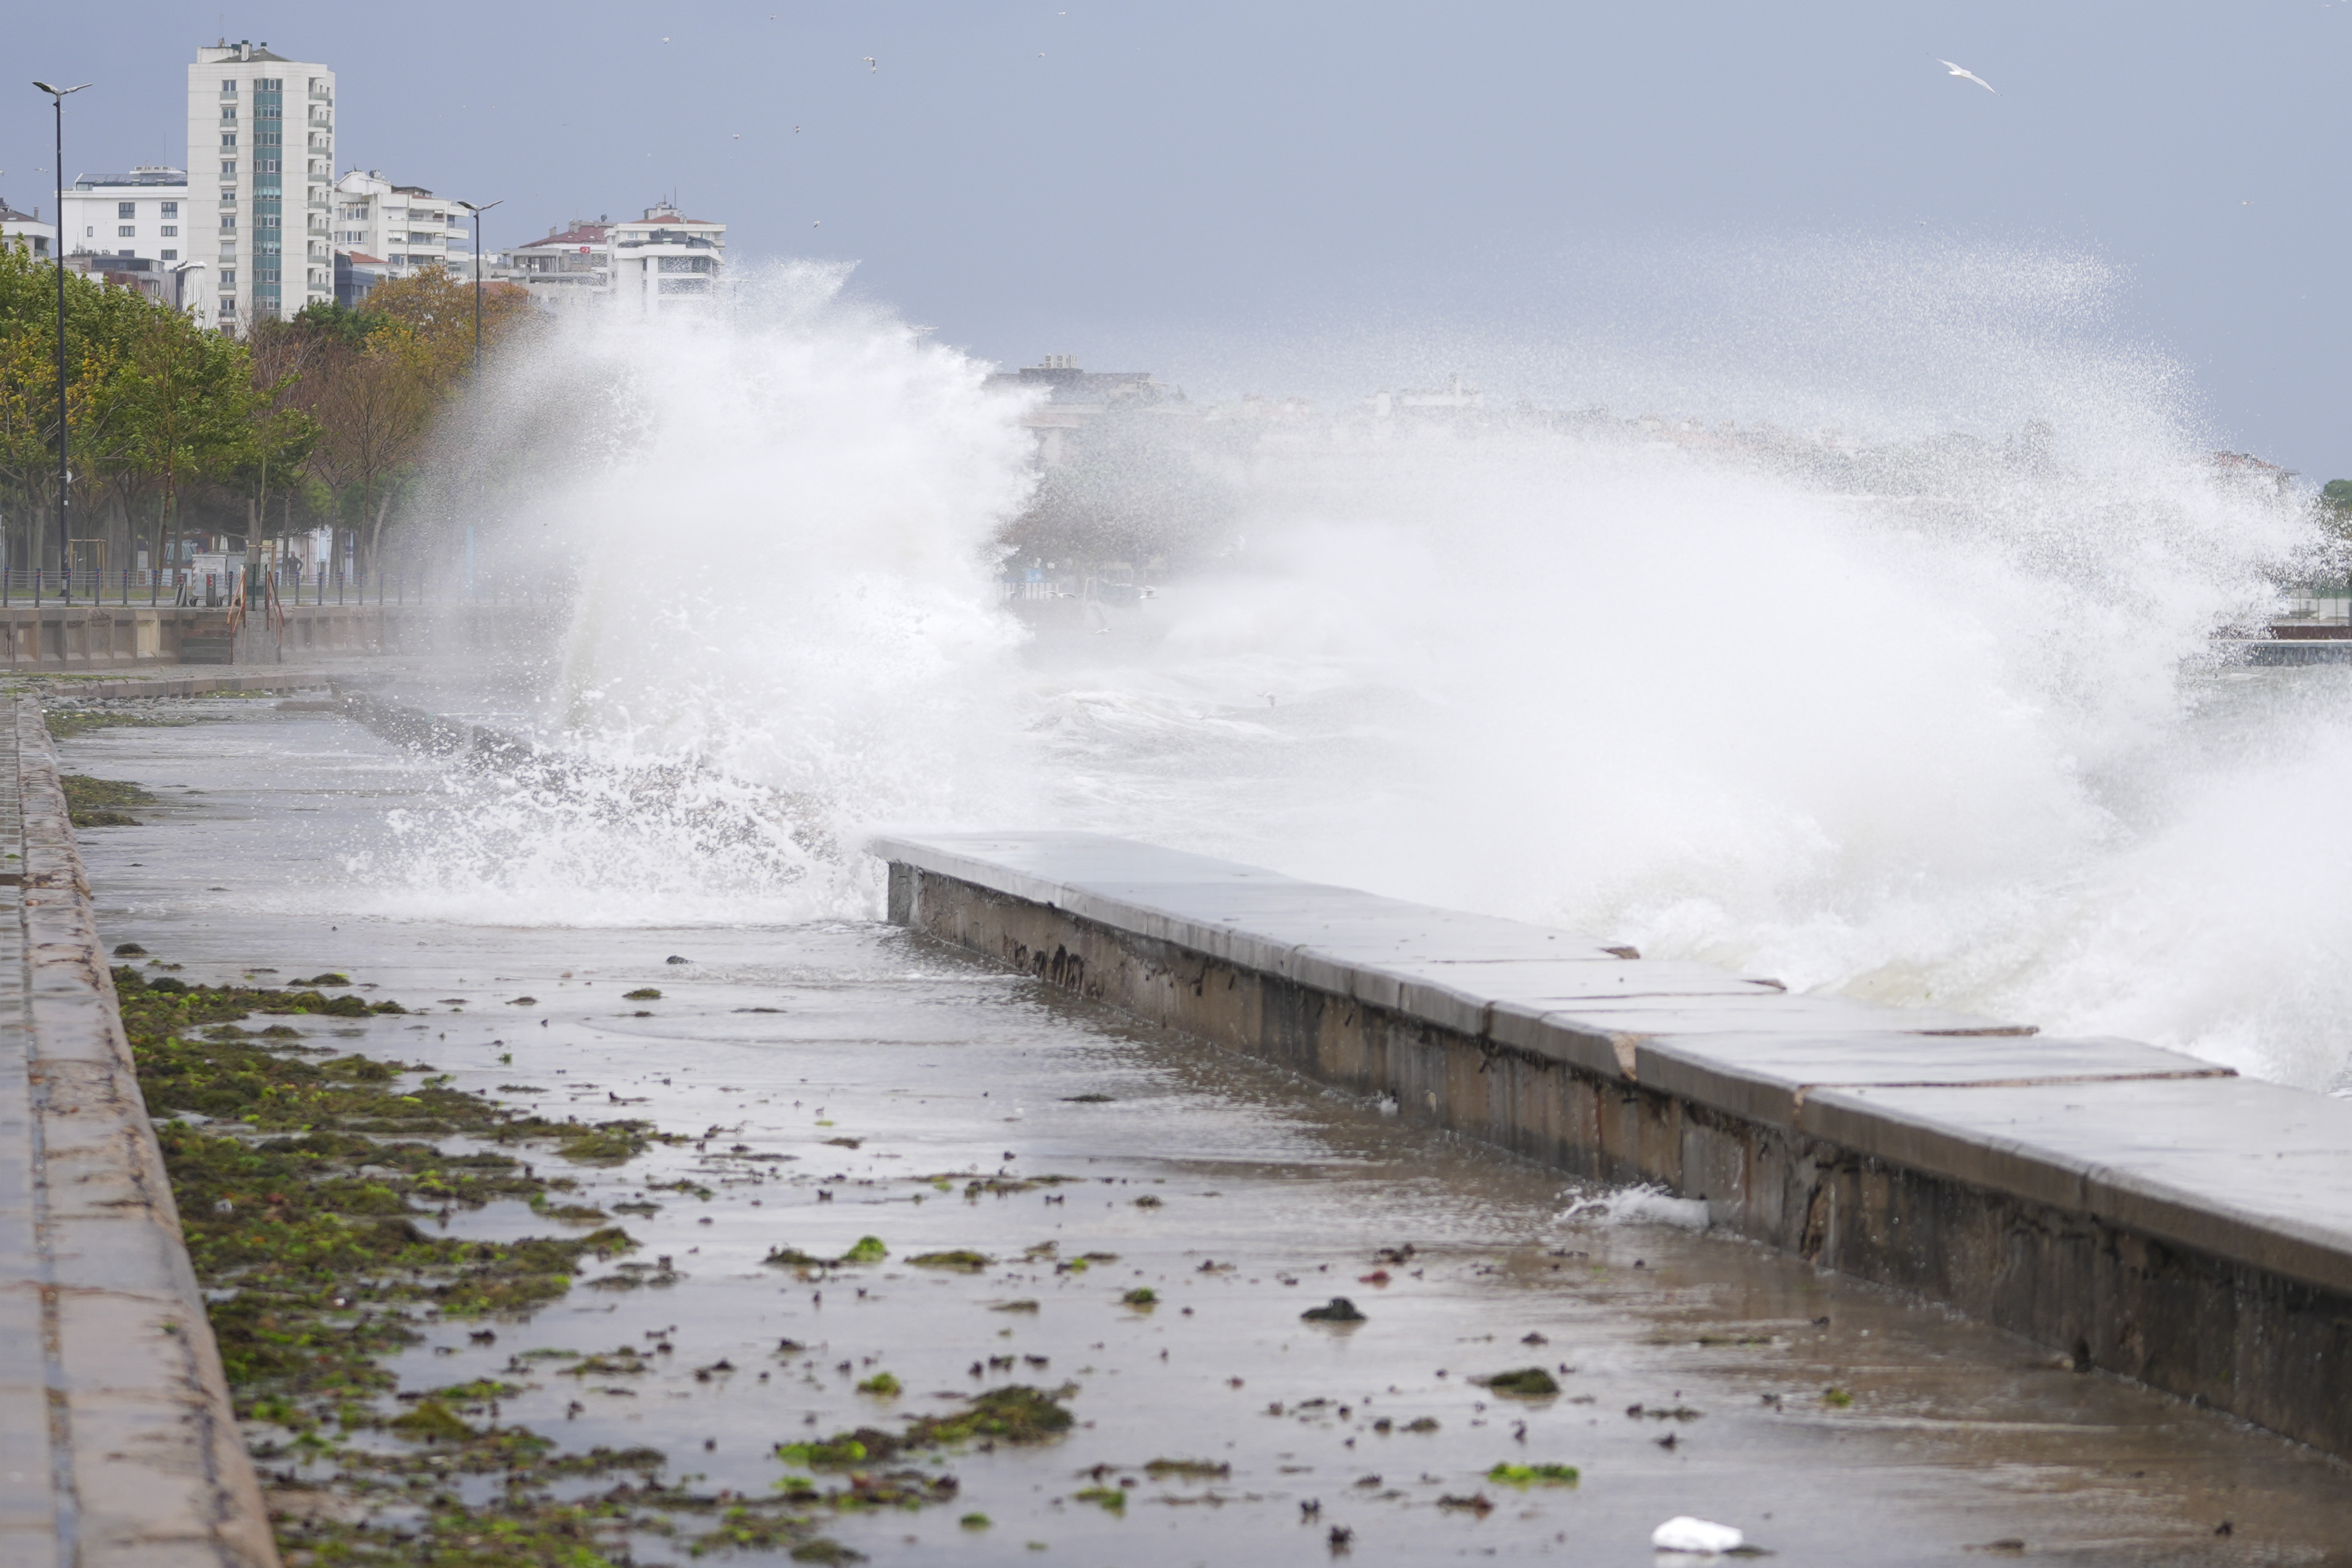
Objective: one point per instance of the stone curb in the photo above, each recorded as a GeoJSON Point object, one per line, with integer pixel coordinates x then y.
{"type": "Point", "coordinates": [136, 1457]}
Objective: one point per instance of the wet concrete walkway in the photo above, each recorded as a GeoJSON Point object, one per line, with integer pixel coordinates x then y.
{"type": "Point", "coordinates": [846, 1079]}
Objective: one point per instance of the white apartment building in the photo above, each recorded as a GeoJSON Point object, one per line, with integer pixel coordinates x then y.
{"type": "Point", "coordinates": [25, 228]}
{"type": "Point", "coordinates": [142, 214]}
{"type": "Point", "coordinates": [571, 267]}
{"type": "Point", "coordinates": [261, 169]}
{"type": "Point", "coordinates": [403, 226]}
{"type": "Point", "coordinates": [664, 260]}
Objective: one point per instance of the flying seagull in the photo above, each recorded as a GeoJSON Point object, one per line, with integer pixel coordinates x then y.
{"type": "Point", "coordinates": [870, 66]}
{"type": "Point", "coordinates": [1964, 72]}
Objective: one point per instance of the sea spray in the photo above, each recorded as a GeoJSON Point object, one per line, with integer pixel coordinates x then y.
{"type": "Point", "coordinates": [1915, 703]}
{"type": "Point", "coordinates": [776, 531]}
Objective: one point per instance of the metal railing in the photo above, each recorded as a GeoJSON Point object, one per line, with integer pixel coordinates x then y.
{"type": "Point", "coordinates": [2322, 605]}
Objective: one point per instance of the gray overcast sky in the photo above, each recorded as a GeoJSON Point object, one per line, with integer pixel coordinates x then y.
{"type": "Point", "coordinates": [1179, 186]}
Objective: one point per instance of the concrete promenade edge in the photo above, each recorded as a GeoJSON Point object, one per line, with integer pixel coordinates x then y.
{"type": "Point", "coordinates": [2145, 1212]}
{"type": "Point", "coordinates": [119, 1445]}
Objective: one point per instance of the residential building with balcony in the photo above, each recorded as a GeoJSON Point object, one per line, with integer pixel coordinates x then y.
{"type": "Point", "coordinates": [665, 260]}
{"type": "Point", "coordinates": [261, 171]}
{"type": "Point", "coordinates": [406, 227]}
{"type": "Point", "coordinates": [571, 267]}
{"type": "Point", "coordinates": [26, 229]}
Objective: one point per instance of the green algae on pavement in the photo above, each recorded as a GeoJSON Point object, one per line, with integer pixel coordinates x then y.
{"type": "Point", "coordinates": [102, 803]}
{"type": "Point", "coordinates": [962, 1259]}
{"type": "Point", "coordinates": [306, 1181]}
{"type": "Point", "coordinates": [1016, 1413]}
{"type": "Point", "coordinates": [1526, 1476]}
{"type": "Point", "coordinates": [1526, 1382]}
{"type": "Point", "coordinates": [65, 723]}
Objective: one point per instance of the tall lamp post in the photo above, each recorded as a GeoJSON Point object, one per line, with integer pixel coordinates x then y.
{"type": "Point", "coordinates": [478, 212]}
{"type": "Point", "coordinates": [65, 475]}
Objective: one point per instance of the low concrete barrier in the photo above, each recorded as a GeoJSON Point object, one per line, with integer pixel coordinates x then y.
{"type": "Point", "coordinates": [118, 1441]}
{"type": "Point", "coordinates": [2145, 1212]}
{"type": "Point", "coordinates": [82, 635]}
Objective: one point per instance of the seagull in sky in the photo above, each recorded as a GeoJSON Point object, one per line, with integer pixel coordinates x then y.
{"type": "Point", "coordinates": [1963, 71]}
{"type": "Point", "coordinates": [870, 66]}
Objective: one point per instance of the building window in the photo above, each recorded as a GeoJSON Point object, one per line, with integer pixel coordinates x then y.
{"type": "Point", "coordinates": [171, 255]}
{"type": "Point", "coordinates": [171, 231]}
{"type": "Point", "coordinates": [687, 264]}
{"type": "Point", "coordinates": [686, 286]}
{"type": "Point", "coordinates": [268, 84]}
{"type": "Point", "coordinates": [89, 232]}
{"type": "Point", "coordinates": [126, 231]}
{"type": "Point", "coordinates": [229, 220]}
{"type": "Point", "coordinates": [228, 141]}
{"type": "Point", "coordinates": [229, 278]}
{"type": "Point", "coordinates": [171, 209]}
{"type": "Point", "coordinates": [228, 111]}
{"type": "Point", "coordinates": [229, 89]}
{"type": "Point", "coordinates": [126, 209]}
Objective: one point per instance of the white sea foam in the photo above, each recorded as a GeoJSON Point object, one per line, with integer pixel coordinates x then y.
{"type": "Point", "coordinates": [1944, 736]}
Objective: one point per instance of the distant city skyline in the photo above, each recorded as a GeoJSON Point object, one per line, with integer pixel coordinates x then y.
{"type": "Point", "coordinates": [1573, 204]}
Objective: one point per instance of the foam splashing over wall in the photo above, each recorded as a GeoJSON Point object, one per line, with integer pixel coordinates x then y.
{"type": "Point", "coordinates": [1921, 713]}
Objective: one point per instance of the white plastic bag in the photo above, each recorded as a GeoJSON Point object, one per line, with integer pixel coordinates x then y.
{"type": "Point", "coordinates": [1684, 1533]}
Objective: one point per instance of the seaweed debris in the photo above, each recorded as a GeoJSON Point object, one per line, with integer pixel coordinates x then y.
{"type": "Point", "coordinates": [102, 803]}
{"type": "Point", "coordinates": [306, 1183]}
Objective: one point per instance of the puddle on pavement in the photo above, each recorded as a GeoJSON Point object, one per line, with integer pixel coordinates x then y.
{"type": "Point", "coordinates": [851, 1080]}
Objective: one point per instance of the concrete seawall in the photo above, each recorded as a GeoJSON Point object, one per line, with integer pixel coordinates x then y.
{"type": "Point", "coordinates": [53, 638]}
{"type": "Point", "coordinates": [118, 1441]}
{"type": "Point", "coordinates": [2144, 1212]}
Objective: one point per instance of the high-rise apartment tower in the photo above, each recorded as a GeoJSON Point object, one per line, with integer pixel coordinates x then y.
{"type": "Point", "coordinates": [261, 173]}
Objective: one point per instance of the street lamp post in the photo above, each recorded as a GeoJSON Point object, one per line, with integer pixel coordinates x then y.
{"type": "Point", "coordinates": [478, 212]}
{"type": "Point", "coordinates": [65, 475]}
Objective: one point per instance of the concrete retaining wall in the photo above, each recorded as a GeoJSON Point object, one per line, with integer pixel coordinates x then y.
{"type": "Point", "coordinates": [85, 636]}
{"type": "Point", "coordinates": [118, 1441]}
{"type": "Point", "coordinates": [2145, 1212]}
